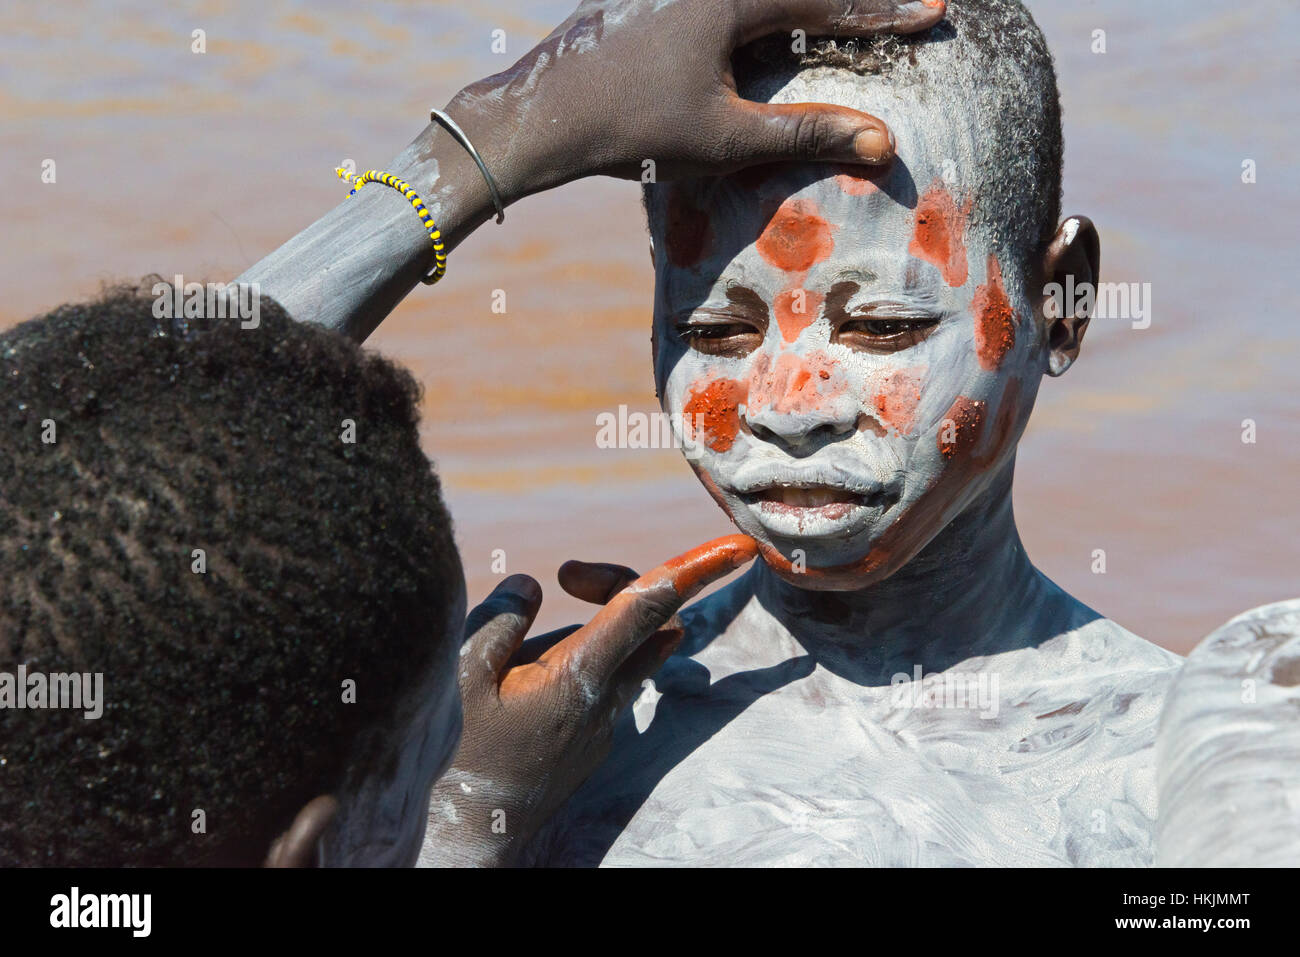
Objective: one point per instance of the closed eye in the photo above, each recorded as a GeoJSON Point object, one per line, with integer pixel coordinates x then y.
{"type": "Point", "coordinates": [720, 336]}
{"type": "Point", "coordinates": [883, 331]}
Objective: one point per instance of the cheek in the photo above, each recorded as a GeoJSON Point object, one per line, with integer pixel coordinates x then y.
{"type": "Point", "coordinates": [1008, 420]}
{"type": "Point", "coordinates": [995, 319]}
{"type": "Point", "coordinates": [897, 397]}
{"type": "Point", "coordinates": [969, 440]}
{"type": "Point", "coordinates": [961, 429]}
{"type": "Point", "coordinates": [712, 411]}
{"type": "Point", "coordinates": [852, 181]}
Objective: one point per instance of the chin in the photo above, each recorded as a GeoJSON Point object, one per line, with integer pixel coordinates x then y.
{"type": "Point", "coordinates": [846, 576]}
{"type": "Point", "coordinates": [837, 534]}
{"type": "Point", "coordinates": [853, 556]}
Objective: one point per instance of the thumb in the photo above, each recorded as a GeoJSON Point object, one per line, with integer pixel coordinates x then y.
{"type": "Point", "coordinates": [770, 133]}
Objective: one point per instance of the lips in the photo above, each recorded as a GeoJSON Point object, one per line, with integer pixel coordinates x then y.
{"type": "Point", "coordinates": [821, 500]}
{"type": "Point", "coordinates": [814, 502]}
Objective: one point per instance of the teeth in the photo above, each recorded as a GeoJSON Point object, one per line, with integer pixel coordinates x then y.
{"type": "Point", "coordinates": [813, 497]}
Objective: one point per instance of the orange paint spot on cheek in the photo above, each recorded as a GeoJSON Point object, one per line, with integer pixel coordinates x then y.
{"type": "Point", "coordinates": [797, 238]}
{"type": "Point", "coordinates": [898, 397]}
{"type": "Point", "coordinates": [795, 310]}
{"type": "Point", "coordinates": [960, 429]}
{"type": "Point", "coordinates": [938, 236]}
{"type": "Point", "coordinates": [716, 405]}
{"type": "Point", "coordinates": [995, 320]}
{"type": "Point", "coordinates": [687, 233]}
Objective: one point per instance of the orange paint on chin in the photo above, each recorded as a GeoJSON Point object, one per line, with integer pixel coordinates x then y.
{"type": "Point", "coordinates": [797, 237]}
{"type": "Point", "coordinates": [688, 233]}
{"type": "Point", "coordinates": [795, 310]}
{"type": "Point", "coordinates": [995, 320]}
{"type": "Point", "coordinates": [898, 397]}
{"type": "Point", "coordinates": [716, 404]}
{"type": "Point", "coordinates": [938, 236]}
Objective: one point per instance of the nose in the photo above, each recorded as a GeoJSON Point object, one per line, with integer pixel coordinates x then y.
{"type": "Point", "coordinates": [799, 404]}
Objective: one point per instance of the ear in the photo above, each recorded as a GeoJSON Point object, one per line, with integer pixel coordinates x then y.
{"type": "Point", "coordinates": [296, 847]}
{"type": "Point", "coordinates": [1070, 268]}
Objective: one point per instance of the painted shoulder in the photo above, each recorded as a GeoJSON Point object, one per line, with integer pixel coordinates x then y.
{"type": "Point", "coordinates": [1228, 747]}
{"type": "Point", "coordinates": [1101, 648]}
{"type": "Point", "coordinates": [1088, 638]}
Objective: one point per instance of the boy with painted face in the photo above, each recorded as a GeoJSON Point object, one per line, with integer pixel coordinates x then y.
{"type": "Point", "coordinates": [332, 563]}
{"type": "Point", "coordinates": [896, 683]}
{"type": "Point", "coordinates": [860, 355]}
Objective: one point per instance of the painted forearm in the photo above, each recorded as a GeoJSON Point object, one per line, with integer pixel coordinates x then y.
{"type": "Point", "coordinates": [350, 268]}
{"type": "Point", "coordinates": [573, 106]}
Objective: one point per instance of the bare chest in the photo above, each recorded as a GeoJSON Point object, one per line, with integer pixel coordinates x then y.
{"type": "Point", "coordinates": [791, 765]}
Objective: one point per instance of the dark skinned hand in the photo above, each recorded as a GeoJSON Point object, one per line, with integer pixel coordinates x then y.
{"type": "Point", "coordinates": [540, 714]}
{"type": "Point", "coordinates": [625, 81]}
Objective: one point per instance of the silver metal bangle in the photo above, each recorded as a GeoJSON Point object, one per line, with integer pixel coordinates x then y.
{"type": "Point", "coordinates": [441, 118]}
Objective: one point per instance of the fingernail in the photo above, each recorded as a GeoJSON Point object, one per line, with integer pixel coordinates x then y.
{"type": "Point", "coordinates": [522, 585]}
{"type": "Point", "coordinates": [873, 145]}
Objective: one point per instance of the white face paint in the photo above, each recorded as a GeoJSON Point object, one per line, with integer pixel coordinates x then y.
{"type": "Point", "coordinates": [862, 361]}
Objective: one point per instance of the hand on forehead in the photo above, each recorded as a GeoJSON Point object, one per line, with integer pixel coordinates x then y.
{"type": "Point", "coordinates": [810, 226]}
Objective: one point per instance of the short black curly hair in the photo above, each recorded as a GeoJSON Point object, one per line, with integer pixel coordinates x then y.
{"type": "Point", "coordinates": [326, 560]}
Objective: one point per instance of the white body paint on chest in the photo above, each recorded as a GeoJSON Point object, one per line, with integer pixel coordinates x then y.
{"type": "Point", "coordinates": [765, 757]}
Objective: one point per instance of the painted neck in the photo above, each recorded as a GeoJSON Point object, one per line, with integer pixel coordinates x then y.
{"type": "Point", "coordinates": [971, 591]}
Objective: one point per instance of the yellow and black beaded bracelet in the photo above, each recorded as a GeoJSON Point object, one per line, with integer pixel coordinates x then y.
{"type": "Point", "coordinates": [403, 187]}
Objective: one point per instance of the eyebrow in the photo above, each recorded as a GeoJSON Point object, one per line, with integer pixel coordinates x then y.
{"type": "Point", "coordinates": [860, 277]}
{"type": "Point", "coordinates": [840, 294]}
{"type": "Point", "coordinates": [747, 299]}
{"type": "Point", "coordinates": [837, 299]}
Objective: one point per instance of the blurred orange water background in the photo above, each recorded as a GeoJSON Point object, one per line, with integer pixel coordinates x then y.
{"type": "Point", "coordinates": [171, 161]}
